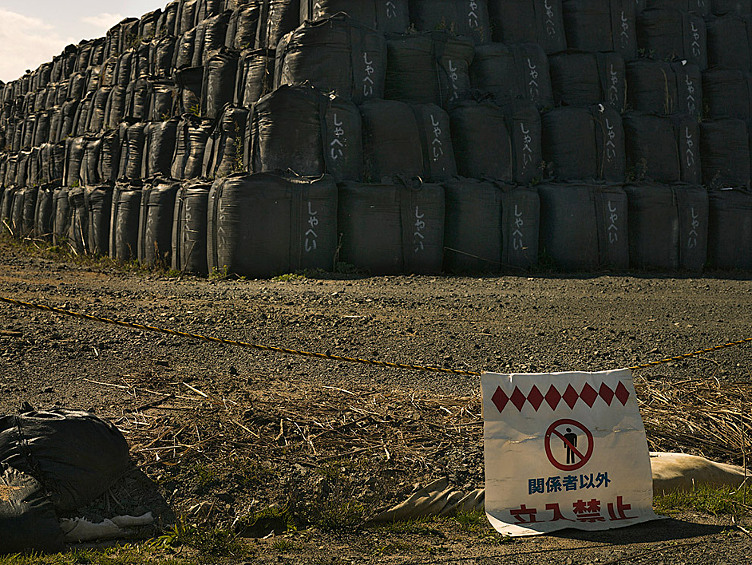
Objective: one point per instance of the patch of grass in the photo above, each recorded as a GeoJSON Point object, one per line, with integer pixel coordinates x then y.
{"type": "Point", "coordinates": [472, 522]}
{"type": "Point", "coordinates": [394, 547]}
{"type": "Point", "coordinates": [250, 473]}
{"type": "Point", "coordinates": [340, 515]}
{"type": "Point", "coordinates": [283, 544]}
{"type": "Point", "coordinates": [336, 470]}
{"type": "Point", "coordinates": [289, 277]}
{"type": "Point", "coordinates": [206, 477]}
{"type": "Point", "coordinates": [219, 274]}
{"type": "Point", "coordinates": [397, 547]}
{"type": "Point", "coordinates": [420, 526]}
{"type": "Point", "coordinates": [121, 555]}
{"type": "Point", "coordinates": [476, 523]}
{"type": "Point", "coordinates": [277, 519]}
{"type": "Point", "coordinates": [711, 500]}
{"type": "Point", "coordinates": [207, 541]}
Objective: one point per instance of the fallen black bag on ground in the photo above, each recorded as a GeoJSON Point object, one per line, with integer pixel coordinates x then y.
{"type": "Point", "coordinates": [27, 517]}
{"type": "Point", "coordinates": [74, 455]}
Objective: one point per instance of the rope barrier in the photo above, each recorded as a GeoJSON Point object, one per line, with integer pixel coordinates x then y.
{"type": "Point", "coordinates": [237, 343]}
{"type": "Point", "coordinates": [328, 356]}
{"type": "Point", "coordinates": [693, 354]}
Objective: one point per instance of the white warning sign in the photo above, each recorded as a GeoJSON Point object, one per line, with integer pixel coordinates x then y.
{"type": "Point", "coordinates": [565, 450]}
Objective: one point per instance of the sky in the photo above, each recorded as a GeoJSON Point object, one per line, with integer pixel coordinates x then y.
{"type": "Point", "coordinates": [32, 32]}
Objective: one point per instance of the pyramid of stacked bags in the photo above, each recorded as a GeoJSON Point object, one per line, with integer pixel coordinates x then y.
{"type": "Point", "coordinates": [398, 136]}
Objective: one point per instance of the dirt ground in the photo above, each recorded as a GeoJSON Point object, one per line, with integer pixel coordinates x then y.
{"type": "Point", "coordinates": [228, 433]}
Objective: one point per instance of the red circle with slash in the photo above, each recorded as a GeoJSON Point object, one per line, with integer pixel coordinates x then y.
{"type": "Point", "coordinates": [579, 458]}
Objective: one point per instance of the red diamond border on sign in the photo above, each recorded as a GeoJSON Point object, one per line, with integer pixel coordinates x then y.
{"type": "Point", "coordinates": [553, 396]}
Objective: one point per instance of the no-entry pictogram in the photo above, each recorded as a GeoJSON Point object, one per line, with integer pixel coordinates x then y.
{"type": "Point", "coordinates": [569, 444]}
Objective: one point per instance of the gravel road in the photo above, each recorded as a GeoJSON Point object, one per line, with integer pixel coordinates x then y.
{"type": "Point", "coordinates": [533, 323]}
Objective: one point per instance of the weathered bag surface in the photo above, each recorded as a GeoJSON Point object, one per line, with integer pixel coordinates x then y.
{"type": "Point", "coordinates": [724, 149]}
{"type": "Point", "coordinates": [662, 149]}
{"type": "Point", "coordinates": [409, 140]}
{"type": "Point", "coordinates": [601, 25]}
{"type": "Point", "coordinates": [584, 79]}
{"type": "Point", "coordinates": [668, 227]}
{"type": "Point", "coordinates": [189, 228]}
{"type": "Point", "coordinates": [266, 224]}
{"type": "Point", "coordinates": [669, 34]}
{"type": "Point", "coordinates": [730, 229]}
{"type": "Point", "coordinates": [126, 211]}
{"type": "Point", "coordinates": [335, 55]}
{"type": "Point", "coordinates": [428, 68]}
{"type": "Point", "coordinates": [490, 226]}
{"type": "Point", "coordinates": [529, 21]}
{"type": "Point", "coordinates": [388, 16]}
{"type": "Point", "coordinates": [468, 18]}
{"type": "Point", "coordinates": [658, 87]}
{"type": "Point", "coordinates": [155, 223]}
{"type": "Point", "coordinates": [584, 226]}
{"type": "Point", "coordinates": [512, 72]}
{"type": "Point", "coordinates": [307, 131]}
{"type": "Point", "coordinates": [392, 228]}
